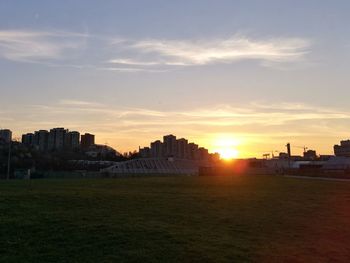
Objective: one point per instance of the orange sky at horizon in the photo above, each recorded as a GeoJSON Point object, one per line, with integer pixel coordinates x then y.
{"type": "Point", "coordinates": [241, 131]}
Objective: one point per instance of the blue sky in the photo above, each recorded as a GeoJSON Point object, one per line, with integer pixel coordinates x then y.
{"type": "Point", "coordinates": [259, 72]}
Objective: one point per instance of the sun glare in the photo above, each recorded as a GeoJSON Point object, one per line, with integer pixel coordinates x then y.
{"type": "Point", "coordinates": [228, 154]}
{"type": "Point", "coordinates": [226, 146]}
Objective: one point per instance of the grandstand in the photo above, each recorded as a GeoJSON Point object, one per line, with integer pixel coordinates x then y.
{"type": "Point", "coordinates": [155, 166]}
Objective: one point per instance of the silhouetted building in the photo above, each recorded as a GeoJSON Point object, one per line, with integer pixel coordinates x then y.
{"type": "Point", "coordinates": [203, 154]}
{"type": "Point", "coordinates": [101, 151]}
{"type": "Point", "coordinates": [28, 139]}
{"type": "Point", "coordinates": [177, 148]}
{"type": "Point", "coordinates": [41, 140]}
{"type": "Point", "coordinates": [87, 140]}
{"type": "Point", "coordinates": [6, 135]}
{"type": "Point", "coordinates": [182, 148]}
{"type": "Point", "coordinates": [343, 149]}
{"type": "Point", "coordinates": [56, 138]}
{"type": "Point", "coordinates": [325, 157]}
{"type": "Point", "coordinates": [145, 152]}
{"type": "Point", "coordinates": [157, 149]}
{"type": "Point", "coordinates": [169, 145]}
{"type": "Point", "coordinates": [38, 139]}
{"type": "Point", "coordinates": [284, 155]}
{"type": "Point", "coordinates": [310, 154]}
{"type": "Point", "coordinates": [72, 140]}
{"type": "Point", "coordinates": [193, 151]}
{"type": "Point", "coordinates": [214, 157]}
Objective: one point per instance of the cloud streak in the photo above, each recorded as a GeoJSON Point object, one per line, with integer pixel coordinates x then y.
{"type": "Point", "coordinates": [218, 116]}
{"type": "Point", "coordinates": [39, 46]}
{"type": "Point", "coordinates": [82, 51]}
{"type": "Point", "coordinates": [155, 52]}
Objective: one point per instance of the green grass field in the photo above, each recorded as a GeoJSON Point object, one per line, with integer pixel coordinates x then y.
{"type": "Point", "coordinates": [175, 219]}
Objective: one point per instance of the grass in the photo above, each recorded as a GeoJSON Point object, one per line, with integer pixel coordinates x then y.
{"type": "Point", "coordinates": [175, 219]}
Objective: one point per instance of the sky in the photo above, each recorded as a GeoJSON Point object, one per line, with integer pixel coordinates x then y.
{"type": "Point", "coordinates": [250, 75]}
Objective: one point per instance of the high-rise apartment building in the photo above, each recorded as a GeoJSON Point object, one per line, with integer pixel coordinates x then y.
{"type": "Point", "coordinates": [56, 138]}
{"type": "Point", "coordinates": [28, 139]}
{"type": "Point", "coordinates": [182, 148]}
{"type": "Point", "coordinates": [203, 154]}
{"type": "Point", "coordinates": [193, 151]}
{"type": "Point", "coordinates": [157, 149]}
{"type": "Point", "coordinates": [72, 140]}
{"type": "Point", "coordinates": [169, 146]}
{"type": "Point", "coordinates": [41, 139]}
{"type": "Point", "coordinates": [6, 135]}
{"type": "Point", "coordinates": [145, 152]}
{"type": "Point", "coordinates": [87, 140]}
{"type": "Point", "coordinates": [178, 148]}
{"type": "Point", "coordinates": [38, 139]}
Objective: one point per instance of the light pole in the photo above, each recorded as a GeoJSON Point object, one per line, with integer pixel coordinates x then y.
{"type": "Point", "coordinates": [9, 161]}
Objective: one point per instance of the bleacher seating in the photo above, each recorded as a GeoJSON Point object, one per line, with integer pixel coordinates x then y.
{"type": "Point", "coordinates": [154, 166]}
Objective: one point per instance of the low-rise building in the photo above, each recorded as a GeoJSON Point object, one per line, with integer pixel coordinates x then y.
{"type": "Point", "coordinates": [343, 149]}
{"type": "Point", "coordinates": [310, 154]}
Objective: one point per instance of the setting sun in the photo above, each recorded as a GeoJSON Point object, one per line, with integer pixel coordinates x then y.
{"type": "Point", "coordinates": [228, 154]}
{"type": "Point", "coordinates": [226, 146]}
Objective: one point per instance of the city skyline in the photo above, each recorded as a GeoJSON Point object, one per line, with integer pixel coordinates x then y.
{"type": "Point", "coordinates": [62, 139]}
{"type": "Point", "coordinates": [245, 75]}
{"type": "Point", "coordinates": [57, 139]}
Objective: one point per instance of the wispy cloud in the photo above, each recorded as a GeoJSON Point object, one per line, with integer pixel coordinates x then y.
{"type": "Point", "coordinates": [82, 51]}
{"type": "Point", "coordinates": [254, 114]}
{"type": "Point", "coordinates": [133, 62]}
{"type": "Point", "coordinates": [79, 103]}
{"type": "Point", "coordinates": [155, 52]}
{"type": "Point", "coordinates": [39, 46]}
